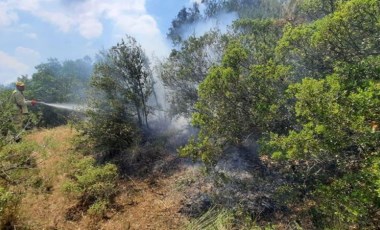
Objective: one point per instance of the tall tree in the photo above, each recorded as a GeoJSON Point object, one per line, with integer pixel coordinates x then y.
{"type": "Point", "coordinates": [244, 94]}
{"type": "Point", "coordinates": [132, 75]}
{"type": "Point", "coordinates": [120, 87]}
{"type": "Point", "coordinates": [187, 67]}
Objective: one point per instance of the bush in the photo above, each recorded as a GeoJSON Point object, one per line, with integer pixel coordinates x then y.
{"type": "Point", "coordinates": [16, 162]}
{"type": "Point", "coordinates": [98, 209]}
{"type": "Point", "coordinates": [6, 116]}
{"type": "Point", "coordinates": [17, 166]}
{"type": "Point", "coordinates": [8, 203]}
{"type": "Point", "coordinates": [94, 186]}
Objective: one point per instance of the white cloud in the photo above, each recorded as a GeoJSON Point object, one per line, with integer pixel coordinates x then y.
{"type": "Point", "coordinates": [7, 15]}
{"type": "Point", "coordinates": [24, 53]}
{"type": "Point", "coordinates": [10, 68]}
{"type": "Point", "coordinates": [137, 24]}
{"type": "Point", "coordinates": [31, 35]}
{"type": "Point", "coordinates": [26, 5]}
{"type": "Point", "coordinates": [59, 19]}
{"type": "Point", "coordinates": [90, 28]}
{"type": "Point", "coordinates": [129, 16]}
{"type": "Point", "coordinates": [87, 17]}
{"type": "Point", "coordinates": [9, 62]}
{"type": "Point", "coordinates": [21, 63]}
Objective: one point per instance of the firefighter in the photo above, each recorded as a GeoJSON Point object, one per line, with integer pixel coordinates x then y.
{"type": "Point", "coordinates": [20, 115]}
{"type": "Point", "coordinates": [19, 100]}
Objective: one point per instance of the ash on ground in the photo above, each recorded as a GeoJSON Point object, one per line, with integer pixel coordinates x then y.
{"type": "Point", "coordinates": [239, 181]}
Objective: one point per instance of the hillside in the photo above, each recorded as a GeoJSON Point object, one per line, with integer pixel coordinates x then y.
{"type": "Point", "coordinates": [270, 123]}
{"type": "Point", "coordinates": [151, 203]}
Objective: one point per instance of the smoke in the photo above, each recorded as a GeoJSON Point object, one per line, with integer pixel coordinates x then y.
{"type": "Point", "coordinates": [221, 22]}
{"type": "Point", "coordinates": [181, 125]}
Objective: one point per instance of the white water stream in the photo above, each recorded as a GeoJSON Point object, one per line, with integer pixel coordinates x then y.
{"type": "Point", "coordinates": [68, 106]}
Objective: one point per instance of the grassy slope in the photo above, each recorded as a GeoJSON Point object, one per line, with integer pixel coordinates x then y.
{"type": "Point", "coordinates": [146, 204]}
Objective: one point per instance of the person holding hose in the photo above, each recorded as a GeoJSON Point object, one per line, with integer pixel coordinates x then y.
{"type": "Point", "coordinates": [21, 109]}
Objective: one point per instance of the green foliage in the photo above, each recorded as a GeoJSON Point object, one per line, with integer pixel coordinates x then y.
{"type": "Point", "coordinates": [132, 76]}
{"type": "Point", "coordinates": [346, 35]}
{"type": "Point", "coordinates": [353, 196]}
{"type": "Point", "coordinates": [16, 162]}
{"type": "Point", "coordinates": [358, 74]}
{"type": "Point", "coordinates": [17, 167]}
{"type": "Point", "coordinates": [203, 148]}
{"type": "Point", "coordinates": [259, 37]}
{"type": "Point", "coordinates": [350, 33]}
{"type": "Point", "coordinates": [8, 206]}
{"type": "Point", "coordinates": [295, 48]}
{"type": "Point", "coordinates": [235, 101]}
{"type": "Point", "coordinates": [187, 67]}
{"type": "Point", "coordinates": [315, 9]}
{"type": "Point", "coordinates": [123, 77]}
{"type": "Point", "coordinates": [333, 151]}
{"type": "Point", "coordinates": [98, 209]}
{"type": "Point", "coordinates": [107, 132]}
{"type": "Point", "coordinates": [5, 198]}
{"type": "Point", "coordinates": [120, 88]}
{"type": "Point", "coordinates": [375, 170]}
{"type": "Point", "coordinates": [56, 82]}
{"type": "Point", "coordinates": [314, 88]}
{"type": "Point", "coordinates": [6, 116]}
{"type": "Point", "coordinates": [94, 186]}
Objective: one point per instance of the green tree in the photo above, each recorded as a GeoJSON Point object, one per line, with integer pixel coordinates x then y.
{"type": "Point", "coordinates": [236, 101]}
{"type": "Point", "coordinates": [259, 37]}
{"type": "Point", "coordinates": [347, 35]}
{"type": "Point", "coordinates": [187, 67]}
{"type": "Point", "coordinates": [120, 87]}
{"type": "Point", "coordinates": [56, 82]}
{"type": "Point", "coordinates": [132, 75]}
{"type": "Point", "coordinates": [334, 150]}
{"type": "Point", "coordinates": [316, 9]}
{"type": "Point", "coordinates": [331, 153]}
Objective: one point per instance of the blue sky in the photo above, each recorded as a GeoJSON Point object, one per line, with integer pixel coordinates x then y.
{"type": "Point", "coordinates": [31, 31]}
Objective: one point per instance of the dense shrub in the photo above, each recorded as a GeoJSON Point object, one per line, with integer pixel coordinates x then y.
{"type": "Point", "coordinates": [94, 186]}
{"type": "Point", "coordinates": [8, 204]}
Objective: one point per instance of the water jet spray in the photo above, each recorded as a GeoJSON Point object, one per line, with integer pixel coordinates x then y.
{"type": "Point", "coordinates": [66, 106]}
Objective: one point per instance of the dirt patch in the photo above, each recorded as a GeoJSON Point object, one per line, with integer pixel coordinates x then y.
{"type": "Point", "coordinates": [148, 204]}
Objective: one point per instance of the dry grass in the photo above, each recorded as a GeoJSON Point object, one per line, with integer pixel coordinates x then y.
{"type": "Point", "coordinates": [45, 208]}
{"type": "Point", "coordinates": [143, 204]}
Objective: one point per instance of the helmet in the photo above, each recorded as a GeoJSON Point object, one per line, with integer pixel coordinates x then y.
{"type": "Point", "coordinates": [20, 83]}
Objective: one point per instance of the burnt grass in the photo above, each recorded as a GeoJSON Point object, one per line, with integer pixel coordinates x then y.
{"type": "Point", "coordinates": [240, 181]}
